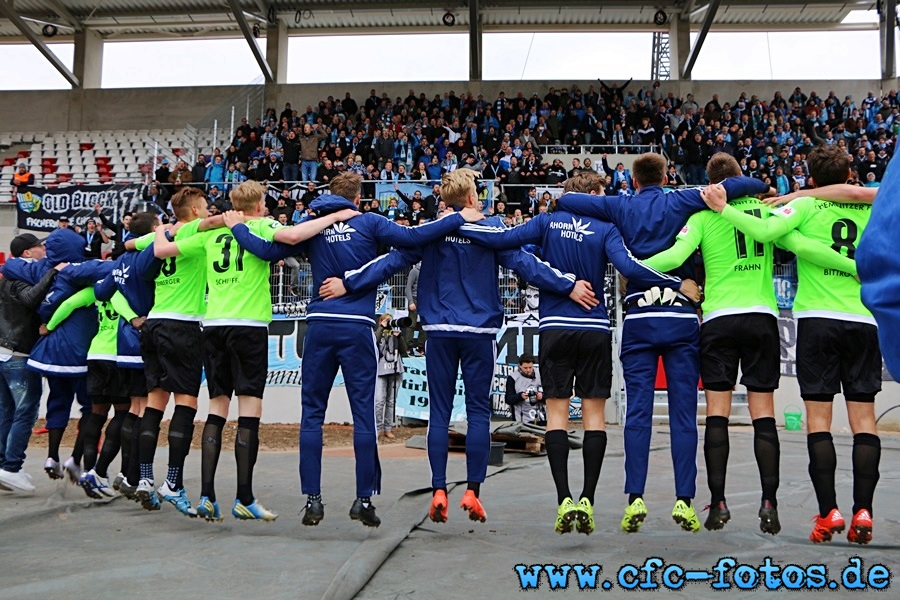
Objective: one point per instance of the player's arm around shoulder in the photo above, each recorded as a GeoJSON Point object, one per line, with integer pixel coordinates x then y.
{"type": "Point", "coordinates": [761, 230]}
{"type": "Point", "coordinates": [686, 242]}
{"type": "Point", "coordinates": [310, 227]}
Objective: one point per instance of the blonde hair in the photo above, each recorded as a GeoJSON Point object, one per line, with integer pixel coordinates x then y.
{"type": "Point", "coordinates": [584, 183]}
{"type": "Point", "coordinates": [457, 186]}
{"type": "Point", "coordinates": [346, 185]}
{"type": "Point", "coordinates": [184, 199]}
{"type": "Point", "coordinates": [247, 196]}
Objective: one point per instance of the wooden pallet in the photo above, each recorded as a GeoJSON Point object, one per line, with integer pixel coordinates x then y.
{"type": "Point", "coordinates": [525, 444]}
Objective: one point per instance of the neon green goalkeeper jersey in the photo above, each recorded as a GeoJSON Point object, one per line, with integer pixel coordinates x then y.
{"type": "Point", "coordinates": [181, 283]}
{"type": "Point", "coordinates": [238, 281]}
{"type": "Point", "coordinates": [738, 269]}
{"type": "Point", "coordinates": [822, 291]}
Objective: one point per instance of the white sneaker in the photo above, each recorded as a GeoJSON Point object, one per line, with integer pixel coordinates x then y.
{"type": "Point", "coordinates": [51, 467]}
{"type": "Point", "coordinates": [17, 481]}
{"type": "Point", "coordinates": [73, 470]}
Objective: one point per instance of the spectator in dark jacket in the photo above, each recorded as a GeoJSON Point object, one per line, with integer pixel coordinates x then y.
{"type": "Point", "coordinates": [19, 325]}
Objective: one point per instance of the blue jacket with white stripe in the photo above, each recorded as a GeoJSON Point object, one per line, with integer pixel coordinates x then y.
{"type": "Point", "coordinates": [650, 220]}
{"type": "Point", "coordinates": [458, 293]}
{"type": "Point", "coordinates": [64, 351]}
{"type": "Point", "coordinates": [344, 247]}
{"type": "Point", "coordinates": [580, 245]}
{"type": "Point", "coordinates": [134, 274]}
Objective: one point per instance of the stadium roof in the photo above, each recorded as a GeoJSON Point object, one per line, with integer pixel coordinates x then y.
{"type": "Point", "coordinates": [165, 19]}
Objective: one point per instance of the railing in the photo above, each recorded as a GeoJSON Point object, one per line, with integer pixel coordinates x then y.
{"type": "Point", "coordinates": [246, 102]}
{"type": "Point", "coordinates": [605, 148]}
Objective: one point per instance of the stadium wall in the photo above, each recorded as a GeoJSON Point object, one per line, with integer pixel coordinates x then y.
{"type": "Point", "coordinates": [170, 108]}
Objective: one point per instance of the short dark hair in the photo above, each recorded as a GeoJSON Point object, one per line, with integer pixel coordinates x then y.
{"type": "Point", "coordinates": [649, 169]}
{"type": "Point", "coordinates": [722, 166]}
{"type": "Point", "coordinates": [526, 358]}
{"type": "Point", "coordinates": [828, 165]}
{"type": "Point", "coordinates": [143, 223]}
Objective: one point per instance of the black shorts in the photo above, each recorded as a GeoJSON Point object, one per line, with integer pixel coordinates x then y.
{"type": "Point", "coordinates": [134, 382]}
{"type": "Point", "coordinates": [104, 384]}
{"type": "Point", "coordinates": [236, 358]}
{"type": "Point", "coordinates": [576, 356]}
{"type": "Point", "coordinates": [834, 355]}
{"type": "Point", "coordinates": [750, 340]}
{"type": "Point", "coordinates": [173, 355]}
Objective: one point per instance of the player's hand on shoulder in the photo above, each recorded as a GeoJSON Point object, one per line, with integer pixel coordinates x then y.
{"type": "Point", "coordinates": [346, 214]}
{"type": "Point", "coordinates": [583, 295]}
{"type": "Point", "coordinates": [779, 200]}
{"type": "Point", "coordinates": [60, 267]}
{"type": "Point", "coordinates": [690, 289]}
{"type": "Point", "coordinates": [233, 217]}
{"type": "Point", "coordinates": [472, 215]}
{"type": "Point", "coordinates": [715, 197]}
{"type": "Point", "coordinates": [333, 287]}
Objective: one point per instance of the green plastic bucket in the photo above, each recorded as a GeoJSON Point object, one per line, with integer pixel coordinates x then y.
{"type": "Point", "coordinates": [793, 419]}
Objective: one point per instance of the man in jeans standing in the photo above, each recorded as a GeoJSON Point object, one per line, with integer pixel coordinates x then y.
{"type": "Point", "coordinates": [309, 151]}
{"type": "Point", "coordinates": [20, 388]}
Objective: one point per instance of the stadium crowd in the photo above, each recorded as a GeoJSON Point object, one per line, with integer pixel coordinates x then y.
{"type": "Point", "coordinates": [512, 139]}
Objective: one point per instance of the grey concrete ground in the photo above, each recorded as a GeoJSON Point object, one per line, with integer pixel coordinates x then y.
{"type": "Point", "coordinates": [59, 544]}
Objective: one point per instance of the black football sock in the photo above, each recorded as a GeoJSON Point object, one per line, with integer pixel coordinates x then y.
{"type": "Point", "coordinates": [181, 430]}
{"type": "Point", "coordinates": [211, 446]}
{"type": "Point", "coordinates": [822, 465]}
{"type": "Point", "coordinates": [246, 447]}
{"type": "Point", "coordinates": [557, 442]}
{"type": "Point", "coordinates": [111, 443]}
{"type": "Point", "coordinates": [149, 438]}
{"type": "Point", "coordinates": [715, 450]}
{"type": "Point", "coordinates": [866, 457]}
{"type": "Point", "coordinates": [91, 433]}
{"type": "Point", "coordinates": [768, 457]}
{"type": "Point", "coordinates": [592, 452]}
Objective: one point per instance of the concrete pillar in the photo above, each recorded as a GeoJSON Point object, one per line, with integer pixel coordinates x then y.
{"type": "Point", "coordinates": [88, 65]}
{"type": "Point", "coordinates": [679, 45]}
{"type": "Point", "coordinates": [277, 57]}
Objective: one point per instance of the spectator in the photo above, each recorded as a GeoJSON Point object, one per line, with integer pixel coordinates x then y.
{"type": "Point", "coordinates": [162, 175]}
{"type": "Point", "coordinates": [122, 231]}
{"type": "Point", "coordinates": [233, 178]}
{"type": "Point", "coordinates": [391, 351]}
{"type": "Point", "coordinates": [21, 178]}
{"type": "Point", "coordinates": [198, 171]}
{"type": "Point", "coordinates": [309, 150]}
{"type": "Point", "coordinates": [270, 171]}
{"type": "Point", "coordinates": [157, 195]}
{"type": "Point", "coordinates": [94, 238]}
{"type": "Point", "coordinates": [180, 176]}
{"type": "Point", "coordinates": [20, 324]}
{"type": "Point", "coordinates": [524, 393]}
{"type": "Point", "coordinates": [215, 172]}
